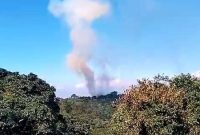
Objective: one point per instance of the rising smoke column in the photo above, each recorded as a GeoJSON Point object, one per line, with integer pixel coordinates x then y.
{"type": "Point", "coordinates": [79, 16]}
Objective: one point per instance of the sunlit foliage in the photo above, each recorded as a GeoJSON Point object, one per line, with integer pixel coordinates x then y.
{"type": "Point", "coordinates": [161, 106]}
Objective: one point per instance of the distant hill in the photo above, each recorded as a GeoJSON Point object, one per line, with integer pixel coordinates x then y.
{"type": "Point", "coordinates": [89, 114]}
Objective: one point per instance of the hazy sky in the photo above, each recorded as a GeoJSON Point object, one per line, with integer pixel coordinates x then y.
{"type": "Point", "coordinates": [138, 38]}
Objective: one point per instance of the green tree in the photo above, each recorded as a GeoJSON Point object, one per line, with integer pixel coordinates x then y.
{"type": "Point", "coordinates": [28, 106]}
{"type": "Point", "coordinates": [161, 106]}
{"type": "Point", "coordinates": [191, 85]}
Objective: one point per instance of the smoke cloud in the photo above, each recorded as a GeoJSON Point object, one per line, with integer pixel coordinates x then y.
{"type": "Point", "coordinates": [79, 16]}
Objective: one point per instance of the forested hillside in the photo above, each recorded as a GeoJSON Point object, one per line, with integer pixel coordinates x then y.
{"type": "Point", "coordinates": [90, 114]}
{"type": "Point", "coordinates": [162, 106]}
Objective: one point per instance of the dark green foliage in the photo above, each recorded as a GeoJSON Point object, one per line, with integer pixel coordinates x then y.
{"type": "Point", "coordinates": [28, 106]}
{"type": "Point", "coordinates": [191, 85]}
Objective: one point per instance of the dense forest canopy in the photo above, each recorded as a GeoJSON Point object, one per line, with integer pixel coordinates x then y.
{"type": "Point", "coordinates": [164, 106]}
{"type": "Point", "coordinates": [90, 114]}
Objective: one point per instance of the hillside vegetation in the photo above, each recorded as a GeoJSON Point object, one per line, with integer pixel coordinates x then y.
{"type": "Point", "coordinates": [89, 114]}
{"type": "Point", "coordinates": [162, 106]}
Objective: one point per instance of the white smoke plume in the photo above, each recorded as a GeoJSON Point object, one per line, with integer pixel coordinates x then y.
{"type": "Point", "coordinates": [79, 16]}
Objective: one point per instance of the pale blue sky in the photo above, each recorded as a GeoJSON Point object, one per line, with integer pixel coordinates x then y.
{"type": "Point", "coordinates": [139, 38]}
